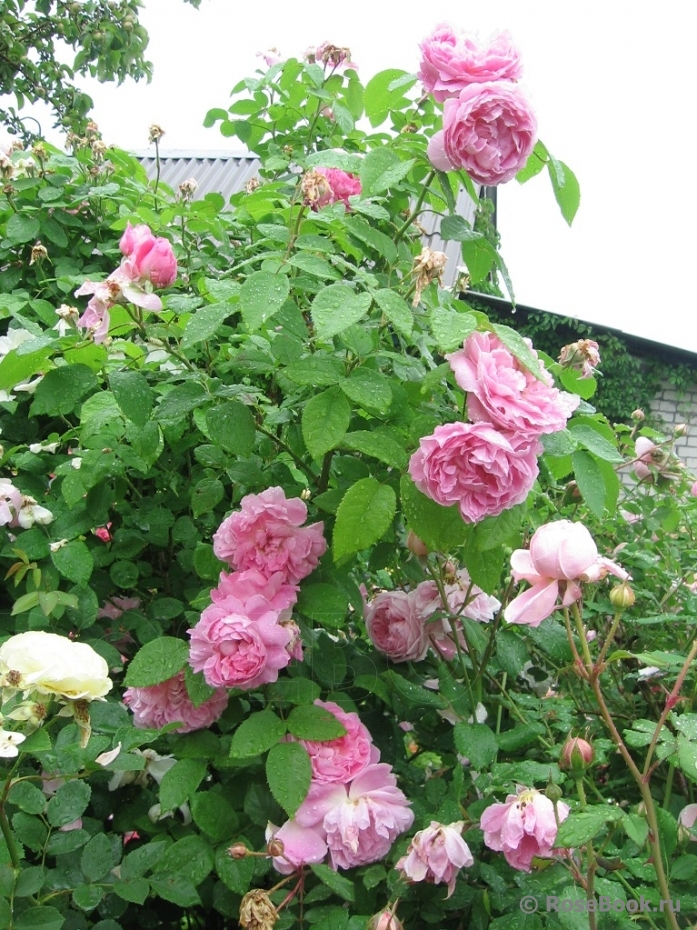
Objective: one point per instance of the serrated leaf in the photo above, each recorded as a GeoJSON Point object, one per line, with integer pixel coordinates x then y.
{"type": "Point", "coordinates": [457, 228]}
{"type": "Point", "coordinates": [157, 661]}
{"type": "Point", "coordinates": [258, 733]}
{"type": "Point", "coordinates": [477, 742]}
{"type": "Point", "coordinates": [379, 446]}
{"type": "Point", "coordinates": [288, 773]}
{"type": "Point", "coordinates": [337, 307]}
{"type": "Point", "coordinates": [214, 815]}
{"type": "Point", "coordinates": [413, 695]}
{"type": "Point", "coordinates": [325, 420]}
{"type": "Point", "coordinates": [61, 389]}
{"type": "Point", "coordinates": [442, 529]}
{"type": "Point", "coordinates": [480, 256]}
{"type": "Point", "coordinates": [133, 395]}
{"type": "Point", "coordinates": [566, 188]}
{"type": "Point", "coordinates": [324, 604]}
{"type": "Point", "coordinates": [590, 481]}
{"type": "Point", "coordinates": [338, 884]}
{"type": "Point", "coordinates": [364, 515]}
{"type": "Point", "coordinates": [309, 721]}
{"type": "Point", "coordinates": [22, 228]}
{"type": "Point", "coordinates": [595, 443]}
{"type": "Point", "coordinates": [42, 917]}
{"type": "Point", "coordinates": [261, 297]}
{"type": "Point", "coordinates": [231, 426]}
{"type": "Point", "coordinates": [294, 691]}
{"type": "Point", "coordinates": [517, 345]}
{"type": "Point", "coordinates": [485, 567]}
{"type": "Point", "coordinates": [368, 388]}
{"type": "Point", "coordinates": [27, 797]}
{"type": "Point", "coordinates": [450, 328]}
{"type": "Point", "coordinates": [135, 891]}
{"type": "Point", "coordinates": [379, 99]}
{"type": "Point", "coordinates": [381, 169]}
{"type": "Point", "coordinates": [397, 310]}
{"type": "Point", "coordinates": [87, 897]}
{"type": "Point", "coordinates": [180, 782]}
{"type": "Point", "coordinates": [582, 826]}
{"type": "Point", "coordinates": [636, 828]}
{"type": "Point", "coordinates": [205, 323]}
{"type": "Point", "coordinates": [180, 401]}
{"type": "Point", "coordinates": [74, 561]}
{"type": "Point", "coordinates": [68, 803]}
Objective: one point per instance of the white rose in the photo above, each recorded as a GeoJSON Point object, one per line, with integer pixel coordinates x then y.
{"type": "Point", "coordinates": [9, 742]}
{"type": "Point", "coordinates": [55, 665]}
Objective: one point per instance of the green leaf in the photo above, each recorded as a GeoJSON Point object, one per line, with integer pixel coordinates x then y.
{"type": "Point", "coordinates": [591, 440]}
{"type": "Point", "coordinates": [180, 401]}
{"type": "Point", "coordinates": [338, 884]}
{"type": "Point", "coordinates": [337, 307]}
{"type": "Point", "coordinates": [60, 844]}
{"type": "Point", "coordinates": [294, 691]}
{"type": "Point", "coordinates": [135, 891]}
{"type": "Point", "coordinates": [316, 371]}
{"type": "Point", "coordinates": [205, 323]}
{"type": "Point", "coordinates": [206, 494]}
{"type": "Point", "coordinates": [364, 515]}
{"type": "Point", "coordinates": [180, 782]}
{"type": "Point", "coordinates": [368, 388]}
{"type": "Point", "coordinates": [325, 420]}
{"type": "Point", "coordinates": [535, 163]}
{"type": "Point", "coordinates": [309, 721]}
{"type": "Point", "coordinates": [197, 688]}
{"type": "Point", "coordinates": [450, 328]}
{"type": "Point", "coordinates": [566, 188]}
{"type": "Point", "coordinates": [457, 228]}
{"type": "Point", "coordinates": [379, 446]}
{"type": "Point", "coordinates": [157, 661]}
{"type": "Point", "coordinates": [324, 604]}
{"type": "Point", "coordinates": [258, 733]}
{"type": "Point", "coordinates": [478, 743]}
{"type": "Point", "coordinates": [511, 652]}
{"type": "Point", "coordinates": [87, 897]}
{"type": "Point", "coordinates": [413, 695]}
{"type": "Point", "coordinates": [495, 531]}
{"type": "Point", "coordinates": [515, 343]}
{"type": "Point", "coordinates": [636, 828]}
{"type": "Point", "coordinates": [235, 874]}
{"type": "Point", "coordinates": [558, 444]}
{"type": "Point", "coordinates": [262, 295]}
{"type": "Point", "coordinates": [29, 881]}
{"type": "Point", "coordinates": [133, 395]}
{"type": "Point", "coordinates": [60, 389]}
{"type": "Point", "coordinates": [288, 772]}
{"type": "Point", "coordinates": [22, 228]}
{"type": "Point", "coordinates": [378, 99]}
{"type": "Point", "coordinates": [590, 480]}
{"type": "Point", "coordinates": [176, 889]}
{"type": "Point", "coordinates": [480, 256]}
{"type": "Point", "coordinates": [74, 561]}
{"type": "Point", "coordinates": [42, 917]}
{"type": "Point", "coordinates": [214, 815]}
{"type": "Point", "coordinates": [485, 566]}
{"type": "Point", "coordinates": [441, 528]}
{"type": "Point", "coordinates": [231, 426]}
{"type": "Point", "coordinates": [68, 803]}
{"type": "Point", "coordinates": [27, 797]}
{"type": "Point", "coordinates": [397, 311]}
{"type": "Point", "coordinates": [14, 368]}
{"type": "Point", "coordinates": [381, 169]}
{"type": "Point", "coordinates": [581, 826]}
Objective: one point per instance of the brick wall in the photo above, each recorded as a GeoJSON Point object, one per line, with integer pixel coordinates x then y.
{"type": "Point", "coordinates": [674, 408]}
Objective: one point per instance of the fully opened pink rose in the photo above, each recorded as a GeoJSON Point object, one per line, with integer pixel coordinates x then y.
{"type": "Point", "coordinates": [360, 821]}
{"type": "Point", "coordinates": [341, 759]}
{"type": "Point", "coordinates": [436, 855]}
{"type": "Point", "coordinates": [244, 585]}
{"type": "Point", "coordinates": [488, 129]}
{"type": "Point", "coordinates": [239, 644]}
{"type": "Point", "coordinates": [396, 627]}
{"type": "Point", "coordinates": [453, 61]}
{"type": "Point", "coordinates": [267, 534]}
{"type": "Point", "coordinates": [523, 828]}
{"type": "Point", "coordinates": [561, 554]}
{"type": "Point", "coordinates": [504, 393]}
{"type": "Point", "coordinates": [157, 705]}
{"type": "Point", "coordinates": [475, 466]}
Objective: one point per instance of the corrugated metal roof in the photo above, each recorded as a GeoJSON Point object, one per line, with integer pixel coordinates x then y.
{"type": "Point", "coordinates": [227, 174]}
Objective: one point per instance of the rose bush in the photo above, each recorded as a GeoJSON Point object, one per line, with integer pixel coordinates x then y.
{"type": "Point", "coordinates": [284, 501]}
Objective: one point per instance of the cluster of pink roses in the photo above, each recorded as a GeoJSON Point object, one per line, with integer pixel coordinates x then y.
{"type": "Point", "coordinates": [246, 636]}
{"type": "Point", "coordinates": [560, 555]}
{"type": "Point", "coordinates": [148, 263]}
{"type": "Point", "coordinates": [404, 625]}
{"type": "Point", "coordinates": [354, 810]}
{"type": "Point", "coordinates": [489, 128]}
{"type": "Point", "coordinates": [490, 464]}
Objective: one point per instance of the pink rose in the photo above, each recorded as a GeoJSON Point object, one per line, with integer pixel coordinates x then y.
{"type": "Point", "coordinates": [266, 534]}
{"type": "Point", "coordinates": [523, 827]}
{"type": "Point", "coordinates": [396, 627]}
{"type": "Point", "coordinates": [341, 186]}
{"type": "Point", "coordinates": [133, 236]}
{"type": "Point", "coordinates": [561, 554]}
{"type": "Point", "coordinates": [436, 855]}
{"type": "Point", "coordinates": [301, 846]}
{"type": "Point", "coordinates": [686, 822]}
{"type": "Point", "coordinates": [10, 501]}
{"type": "Point", "coordinates": [488, 129]}
{"type": "Point", "coordinates": [362, 820]}
{"type": "Point", "coordinates": [341, 759]}
{"type": "Point", "coordinates": [115, 606]}
{"type": "Point", "coordinates": [473, 465]}
{"type": "Point", "coordinates": [239, 644]}
{"type": "Point", "coordinates": [693, 490]}
{"type": "Point", "coordinates": [244, 585]}
{"type": "Point", "coordinates": [157, 705]}
{"type": "Point", "coordinates": [650, 458]}
{"type": "Point", "coordinates": [452, 62]}
{"type": "Point", "coordinates": [504, 393]}
{"type": "Point", "coordinates": [152, 259]}
{"type": "Point", "coordinates": [583, 356]}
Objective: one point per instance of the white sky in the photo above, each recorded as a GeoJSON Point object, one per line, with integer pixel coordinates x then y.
{"type": "Point", "coordinates": [613, 83]}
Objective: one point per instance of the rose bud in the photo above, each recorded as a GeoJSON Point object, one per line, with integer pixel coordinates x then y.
{"type": "Point", "coordinates": [577, 754]}
{"type": "Point", "coordinates": [622, 596]}
{"type": "Point", "coordinates": [238, 851]}
{"type": "Point", "coordinates": [416, 545]}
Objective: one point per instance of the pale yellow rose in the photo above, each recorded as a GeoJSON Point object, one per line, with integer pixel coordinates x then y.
{"type": "Point", "coordinates": [54, 665]}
